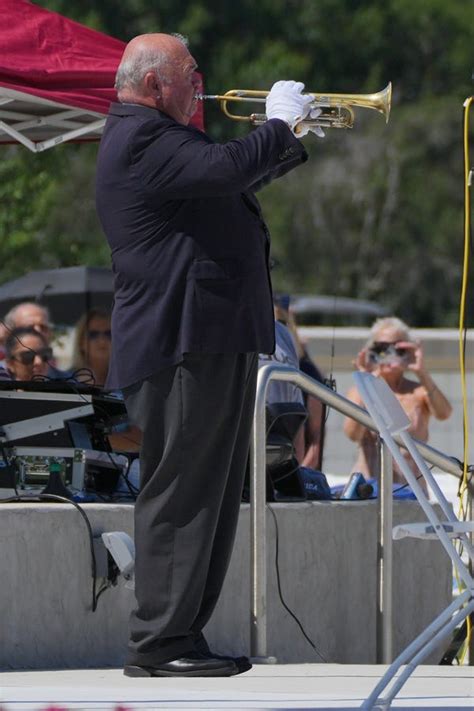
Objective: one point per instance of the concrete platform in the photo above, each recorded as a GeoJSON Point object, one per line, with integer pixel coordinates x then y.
{"type": "Point", "coordinates": [298, 686]}
{"type": "Point", "coordinates": [328, 571]}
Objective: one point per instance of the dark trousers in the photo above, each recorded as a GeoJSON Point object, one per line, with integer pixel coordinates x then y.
{"type": "Point", "coordinates": [196, 419]}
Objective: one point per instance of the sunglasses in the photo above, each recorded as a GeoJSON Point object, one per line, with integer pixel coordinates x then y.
{"type": "Point", "coordinates": [381, 347]}
{"type": "Point", "coordinates": [28, 357]}
{"type": "Point", "coordinates": [94, 335]}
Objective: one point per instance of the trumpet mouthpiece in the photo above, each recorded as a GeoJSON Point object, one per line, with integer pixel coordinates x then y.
{"type": "Point", "coordinates": [202, 97]}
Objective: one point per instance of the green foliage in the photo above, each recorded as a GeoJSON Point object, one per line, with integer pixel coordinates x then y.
{"type": "Point", "coordinates": [48, 216]}
{"type": "Point", "coordinates": [366, 218]}
{"type": "Point", "coordinates": [377, 211]}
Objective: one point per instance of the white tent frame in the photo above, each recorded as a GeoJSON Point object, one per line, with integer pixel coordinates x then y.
{"type": "Point", "coordinates": [65, 123]}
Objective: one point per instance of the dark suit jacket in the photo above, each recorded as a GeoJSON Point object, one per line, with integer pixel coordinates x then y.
{"type": "Point", "coordinates": [189, 244]}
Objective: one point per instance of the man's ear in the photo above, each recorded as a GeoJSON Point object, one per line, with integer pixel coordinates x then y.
{"type": "Point", "coordinates": [152, 85]}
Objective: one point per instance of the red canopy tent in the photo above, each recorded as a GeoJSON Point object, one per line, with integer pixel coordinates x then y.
{"type": "Point", "coordinates": [56, 77]}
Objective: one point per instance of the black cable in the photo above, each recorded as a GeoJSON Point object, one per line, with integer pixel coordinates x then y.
{"type": "Point", "coordinates": [329, 382]}
{"type": "Point", "coordinates": [87, 372]}
{"type": "Point", "coordinates": [8, 464]}
{"type": "Point", "coordinates": [277, 566]}
{"type": "Point", "coordinates": [102, 591]}
{"type": "Point", "coordinates": [125, 474]}
{"type": "Point", "coordinates": [73, 385]}
{"type": "Point", "coordinates": [63, 500]}
{"type": "Point", "coordinates": [287, 608]}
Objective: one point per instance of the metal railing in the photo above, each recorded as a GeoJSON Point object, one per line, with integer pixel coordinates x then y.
{"type": "Point", "coordinates": [258, 571]}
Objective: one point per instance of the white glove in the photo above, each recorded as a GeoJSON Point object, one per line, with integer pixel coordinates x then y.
{"type": "Point", "coordinates": [302, 129]}
{"type": "Point", "coordinates": [285, 101]}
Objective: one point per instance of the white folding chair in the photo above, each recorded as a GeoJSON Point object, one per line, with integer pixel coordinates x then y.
{"type": "Point", "coordinates": [390, 419]}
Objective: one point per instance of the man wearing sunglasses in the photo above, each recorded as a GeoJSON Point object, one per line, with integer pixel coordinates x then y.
{"type": "Point", "coordinates": [27, 354]}
{"type": "Point", "coordinates": [31, 315]}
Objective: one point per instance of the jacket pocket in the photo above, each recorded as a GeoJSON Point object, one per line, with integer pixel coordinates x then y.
{"type": "Point", "coordinates": [211, 269]}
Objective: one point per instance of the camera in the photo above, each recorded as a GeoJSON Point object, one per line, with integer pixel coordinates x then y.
{"type": "Point", "coordinates": [381, 353]}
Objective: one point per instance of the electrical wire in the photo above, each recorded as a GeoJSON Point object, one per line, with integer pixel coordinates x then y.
{"type": "Point", "coordinates": [463, 492]}
{"type": "Point", "coordinates": [62, 499]}
{"type": "Point", "coordinates": [463, 299]}
{"type": "Point", "coordinates": [280, 593]}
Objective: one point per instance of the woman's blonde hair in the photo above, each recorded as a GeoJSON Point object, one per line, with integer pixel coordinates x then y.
{"type": "Point", "coordinates": [79, 356]}
{"type": "Point", "coordinates": [388, 322]}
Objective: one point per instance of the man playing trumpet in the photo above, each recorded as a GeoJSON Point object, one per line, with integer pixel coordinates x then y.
{"type": "Point", "coordinates": [193, 308]}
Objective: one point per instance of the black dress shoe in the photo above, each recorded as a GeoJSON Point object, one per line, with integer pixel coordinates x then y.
{"type": "Point", "coordinates": [242, 663]}
{"type": "Point", "coordinates": [193, 664]}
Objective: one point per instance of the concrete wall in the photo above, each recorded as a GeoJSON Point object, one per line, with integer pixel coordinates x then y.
{"type": "Point", "coordinates": [327, 562]}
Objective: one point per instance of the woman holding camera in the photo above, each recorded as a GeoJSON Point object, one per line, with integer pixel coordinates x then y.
{"type": "Point", "coordinates": [390, 353]}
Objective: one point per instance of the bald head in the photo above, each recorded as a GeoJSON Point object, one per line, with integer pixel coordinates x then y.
{"type": "Point", "coordinates": [153, 48]}
{"type": "Point", "coordinates": [158, 71]}
{"type": "Point", "coordinates": [28, 314]}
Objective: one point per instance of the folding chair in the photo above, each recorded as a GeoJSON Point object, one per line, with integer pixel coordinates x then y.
{"type": "Point", "coordinates": [390, 419]}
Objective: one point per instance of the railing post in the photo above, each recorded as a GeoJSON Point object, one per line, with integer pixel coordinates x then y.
{"type": "Point", "coordinates": [384, 624]}
{"type": "Point", "coordinates": [258, 572]}
{"type": "Point", "coordinates": [258, 533]}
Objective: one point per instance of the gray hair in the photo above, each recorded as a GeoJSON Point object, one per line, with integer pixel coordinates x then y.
{"type": "Point", "coordinates": [388, 322]}
{"type": "Point", "coordinates": [131, 71]}
{"type": "Point", "coordinates": [10, 319]}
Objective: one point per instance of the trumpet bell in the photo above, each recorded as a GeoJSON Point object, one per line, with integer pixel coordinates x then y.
{"type": "Point", "coordinates": [380, 101]}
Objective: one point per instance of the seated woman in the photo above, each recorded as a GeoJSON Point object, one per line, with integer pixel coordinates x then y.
{"type": "Point", "coordinates": [92, 347]}
{"type": "Point", "coordinates": [27, 354]}
{"type": "Point", "coordinates": [91, 357]}
{"type": "Point", "coordinates": [390, 353]}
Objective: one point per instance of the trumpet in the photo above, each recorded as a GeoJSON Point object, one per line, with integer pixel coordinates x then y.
{"type": "Point", "coordinates": [336, 109]}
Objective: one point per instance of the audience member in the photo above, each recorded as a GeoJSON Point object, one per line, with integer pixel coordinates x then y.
{"type": "Point", "coordinates": [285, 353]}
{"type": "Point", "coordinates": [92, 346]}
{"type": "Point", "coordinates": [279, 391]}
{"type": "Point", "coordinates": [390, 353]}
{"type": "Point", "coordinates": [27, 354]}
{"type": "Point", "coordinates": [31, 315]}
{"type": "Point", "coordinates": [3, 336]}
{"type": "Point", "coordinates": [294, 477]}
{"type": "Point", "coordinates": [91, 356]}
{"type": "Point", "coordinates": [314, 426]}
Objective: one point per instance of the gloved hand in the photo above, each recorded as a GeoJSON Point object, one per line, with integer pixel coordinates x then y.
{"type": "Point", "coordinates": [302, 129]}
{"type": "Point", "coordinates": [286, 102]}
